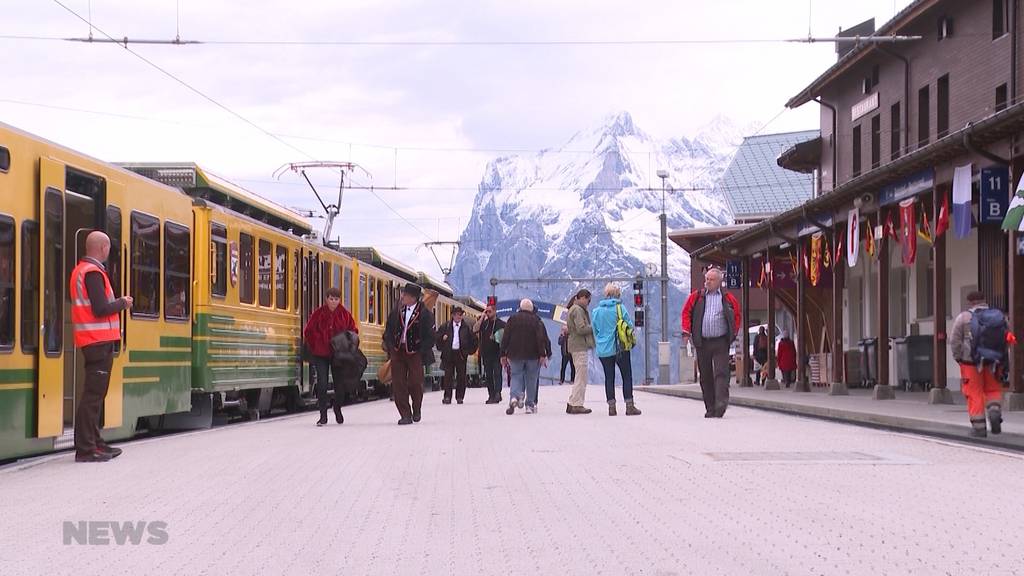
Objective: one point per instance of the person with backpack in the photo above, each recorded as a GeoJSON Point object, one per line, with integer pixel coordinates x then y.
{"type": "Point", "coordinates": [711, 320]}
{"type": "Point", "coordinates": [323, 325]}
{"type": "Point", "coordinates": [614, 337]}
{"type": "Point", "coordinates": [980, 345]}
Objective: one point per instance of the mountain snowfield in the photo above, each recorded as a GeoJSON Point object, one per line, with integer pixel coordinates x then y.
{"type": "Point", "coordinates": [590, 209]}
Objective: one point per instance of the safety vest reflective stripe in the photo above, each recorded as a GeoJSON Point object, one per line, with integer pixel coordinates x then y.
{"type": "Point", "coordinates": [88, 328]}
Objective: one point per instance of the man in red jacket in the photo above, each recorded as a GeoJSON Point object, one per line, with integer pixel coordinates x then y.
{"type": "Point", "coordinates": [711, 319]}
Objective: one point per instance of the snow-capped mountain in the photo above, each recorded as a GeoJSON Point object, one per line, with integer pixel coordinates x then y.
{"type": "Point", "coordinates": [590, 209]}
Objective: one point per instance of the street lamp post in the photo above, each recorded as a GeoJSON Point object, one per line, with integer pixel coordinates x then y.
{"type": "Point", "coordinates": [664, 352]}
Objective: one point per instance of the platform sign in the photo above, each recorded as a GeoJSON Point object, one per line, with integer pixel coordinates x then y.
{"type": "Point", "coordinates": [995, 195]}
{"type": "Point", "coordinates": [733, 274]}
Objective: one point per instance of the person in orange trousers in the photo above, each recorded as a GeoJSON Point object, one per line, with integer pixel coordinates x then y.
{"type": "Point", "coordinates": [979, 343]}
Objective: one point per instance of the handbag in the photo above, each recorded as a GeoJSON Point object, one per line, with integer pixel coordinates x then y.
{"type": "Point", "coordinates": [384, 372]}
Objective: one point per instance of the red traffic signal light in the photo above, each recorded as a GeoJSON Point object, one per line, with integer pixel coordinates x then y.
{"type": "Point", "coordinates": [638, 299]}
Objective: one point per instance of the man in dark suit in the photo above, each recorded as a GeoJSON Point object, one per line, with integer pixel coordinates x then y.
{"type": "Point", "coordinates": [490, 354]}
{"type": "Point", "coordinates": [408, 338]}
{"type": "Point", "coordinates": [456, 341]}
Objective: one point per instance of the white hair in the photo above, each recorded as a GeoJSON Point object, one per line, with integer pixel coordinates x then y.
{"type": "Point", "coordinates": [718, 271]}
{"type": "Point", "coordinates": [526, 304]}
{"type": "Point", "coordinates": [612, 290]}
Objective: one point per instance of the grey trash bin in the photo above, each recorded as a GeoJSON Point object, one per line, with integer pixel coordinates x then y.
{"type": "Point", "coordinates": [914, 361]}
{"type": "Point", "coordinates": [869, 362]}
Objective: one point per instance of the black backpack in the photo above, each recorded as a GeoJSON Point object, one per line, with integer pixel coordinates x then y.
{"type": "Point", "coordinates": [988, 336]}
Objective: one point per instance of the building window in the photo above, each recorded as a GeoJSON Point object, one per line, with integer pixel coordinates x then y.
{"type": "Point", "coordinates": [896, 123]}
{"type": "Point", "coordinates": [945, 29]}
{"type": "Point", "coordinates": [219, 272]}
{"type": "Point", "coordinates": [266, 268]}
{"type": "Point", "coordinates": [29, 286]}
{"type": "Point", "coordinates": [999, 18]}
{"type": "Point", "coordinates": [281, 277]}
{"type": "Point", "coordinates": [876, 141]}
{"type": "Point", "coordinates": [246, 252]}
{"type": "Point", "coordinates": [942, 113]}
{"type": "Point", "coordinates": [145, 238]}
{"type": "Point", "coordinates": [7, 263]}
{"type": "Point", "coordinates": [923, 119]}
{"type": "Point", "coordinates": [177, 279]}
{"type": "Point", "coordinates": [856, 151]}
{"type": "Point", "coordinates": [1001, 97]}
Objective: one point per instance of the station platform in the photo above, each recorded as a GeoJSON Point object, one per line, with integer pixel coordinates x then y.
{"type": "Point", "coordinates": [470, 490]}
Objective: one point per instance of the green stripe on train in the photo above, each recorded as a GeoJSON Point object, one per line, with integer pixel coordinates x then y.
{"type": "Point", "coordinates": [18, 376]}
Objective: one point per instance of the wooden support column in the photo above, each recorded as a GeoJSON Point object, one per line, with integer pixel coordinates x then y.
{"type": "Point", "coordinates": [771, 383]}
{"type": "Point", "coordinates": [939, 394]}
{"type": "Point", "coordinates": [745, 313]}
{"type": "Point", "coordinates": [1015, 399]}
{"type": "Point", "coordinates": [802, 384]}
{"type": "Point", "coordinates": [883, 391]}
{"type": "Point", "coordinates": [838, 384]}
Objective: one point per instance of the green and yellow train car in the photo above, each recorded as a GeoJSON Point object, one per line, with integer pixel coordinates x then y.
{"type": "Point", "coordinates": [53, 197]}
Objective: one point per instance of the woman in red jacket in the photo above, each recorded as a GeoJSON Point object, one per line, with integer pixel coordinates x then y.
{"type": "Point", "coordinates": [325, 322]}
{"type": "Point", "coordinates": [786, 356]}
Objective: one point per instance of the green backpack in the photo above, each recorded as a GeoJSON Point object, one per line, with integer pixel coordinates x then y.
{"type": "Point", "coordinates": [625, 338]}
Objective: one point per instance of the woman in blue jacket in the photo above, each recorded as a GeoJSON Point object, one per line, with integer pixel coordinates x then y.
{"type": "Point", "coordinates": [610, 350]}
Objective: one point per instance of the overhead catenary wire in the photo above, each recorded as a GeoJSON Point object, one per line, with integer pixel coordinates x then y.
{"type": "Point", "coordinates": [223, 107]}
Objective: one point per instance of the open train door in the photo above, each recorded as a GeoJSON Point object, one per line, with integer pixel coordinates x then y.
{"type": "Point", "coordinates": [52, 279]}
{"type": "Point", "coordinates": [117, 267]}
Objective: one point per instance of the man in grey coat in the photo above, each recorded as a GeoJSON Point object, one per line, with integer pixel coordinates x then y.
{"type": "Point", "coordinates": [581, 342]}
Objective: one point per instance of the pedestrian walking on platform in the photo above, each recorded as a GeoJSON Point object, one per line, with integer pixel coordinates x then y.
{"type": "Point", "coordinates": [760, 353]}
{"type": "Point", "coordinates": [786, 356]}
{"type": "Point", "coordinates": [980, 345]}
{"type": "Point", "coordinates": [614, 338]}
{"type": "Point", "coordinates": [327, 321]}
{"type": "Point", "coordinates": [524, 349]}
{"type": "Point", "coordinates": [456, 342]}
{"type": "Point", "coordinates": [579, 343]}
{"type": "Point", "coordinates": [563, 350]}
{"type": "Point", "coordinates": [409, 342]}
{"type": "Point", "coordinates": [96, 320]}
{"type": "Point", "coordinates": [488, 330]}
{"type": "Point", "coordinates": [711, 320]}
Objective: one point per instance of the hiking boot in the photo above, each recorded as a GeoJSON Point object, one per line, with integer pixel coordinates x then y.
{"type": "Point", "coordinates": [995, 420]}
{"type": "Point", "coordinates": [631, 409]}
{"type": "Point", "coordinates": [611, 408]}
{"type": "Point", "coordinates": [511, 407]}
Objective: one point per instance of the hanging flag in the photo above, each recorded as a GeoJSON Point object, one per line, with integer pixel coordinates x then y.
{"type": "Point", "coordinates": [792, 262]}
{"type": "Point", "coordinates": [942, 222]}
{"type": "Point", "coordinates": [889, 231]}
{"type": "Point", "coordinates": [826, 254]}
{"type": "Point", "coordinates": [1015, 212]}
{"type": "Point", "coordinates": [962, 201]}
{"type": "Point", "coordinates": [869, 238]}
{"type": "Point", "coordinates": [769, 274]}
{"type": "Point", "coordinates": [839, 252]}
{"type": "Point", "coordinates": [908, 231]}
{"type": "Point", "coordinates": [924, 229]}
{"type": "Point", "coordinates": [815, 263]}
{"type": "Point", "coordinates": [761, 279]}
{"type": "Point", "coordinates": [852, 237]}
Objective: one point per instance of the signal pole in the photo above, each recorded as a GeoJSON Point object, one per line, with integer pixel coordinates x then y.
{"type": "Point", "coordinates": [664, 353]}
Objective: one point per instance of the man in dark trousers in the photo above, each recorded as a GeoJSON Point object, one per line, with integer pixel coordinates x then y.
{"type": "Point", "coordinates": [456, 342]}
{"type": "Point", "coordinates": [95, 316]}
{"type": "Point", "coordinates": [711, 319]}
{"type": "Point", "coordinates": [490, 352]}
{"type": "Point", "coordinates": [408, 338]}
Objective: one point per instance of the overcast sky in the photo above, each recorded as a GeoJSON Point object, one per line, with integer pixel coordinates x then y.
{"type": "Point", "coordinates": [419, 116]}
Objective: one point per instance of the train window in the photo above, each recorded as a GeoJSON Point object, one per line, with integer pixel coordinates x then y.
{"type": "Point", "coordinates": [337, 277]}
{"type": "Point", "coordinates": [114, 264]}
{"type": "Point", "coordinates": [266, 268]}
{"type": "Point", "coordinates": [29, 286]}
{"type": "Point", "coordinates": [53, 285]}
{"type": "Point", "coordinates": [219, 271]}
{"type": "Point", "coordinates": [380, 301]}
{"type": "Point", "coordinates": [246, 294]}
{"type": "Point", "coordinates": [296, 262]}
{"type": "Point", "coordinates": [5, 159]}
{"type": "Point", "coordinates": [145, 270]}
{"type": "Point", "coordinates": [371, 302]}
{"type": "Point", "coordinates": [347, 288]}
{"type": "Point", "coordinates": [325, 279]}
{"type": "Point", "coordinates": [7, 245]}
{"type": "Point", "coordinates": [177, 279]}
{"type": "Point", "coordinates": [281, 277]}
{"type": "Point", "coordinates": [362, 297]}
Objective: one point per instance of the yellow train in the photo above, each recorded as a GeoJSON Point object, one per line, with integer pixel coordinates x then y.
{"type": "Point", "coordinates": [223, 282]}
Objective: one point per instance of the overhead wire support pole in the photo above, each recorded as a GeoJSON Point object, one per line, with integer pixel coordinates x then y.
{"type": "Point", "coordinates": [451, 264]}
